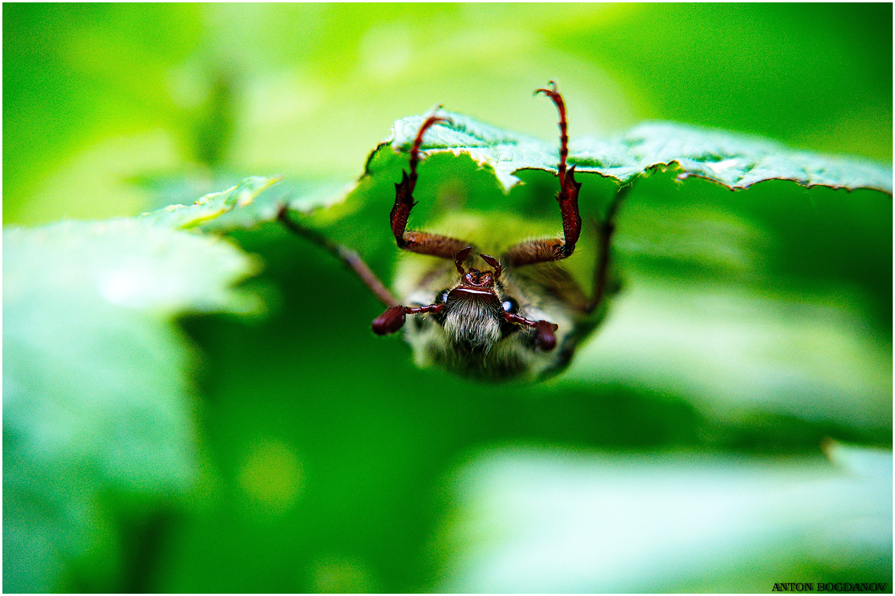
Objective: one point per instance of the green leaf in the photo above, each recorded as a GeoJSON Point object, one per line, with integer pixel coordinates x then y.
{"type": "Point", "coordinates": [212, 206]}
{"type": "Point", "coordinates": [736, 161]}
{"type": "Point", "coordinates": [554, 521]}
{"type": "Point", "coordinates": [96, 375]}
{"type": "Point", "coordinates": [253, 201]}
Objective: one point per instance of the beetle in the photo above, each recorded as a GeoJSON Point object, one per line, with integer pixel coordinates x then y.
{"type": "Point", "coordinates": [509, 320]}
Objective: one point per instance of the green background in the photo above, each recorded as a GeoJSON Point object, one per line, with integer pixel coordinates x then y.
{"type": "Point", "coordinates": [324, 460]}
{"type": "Point", "coordinates": [96, 93]}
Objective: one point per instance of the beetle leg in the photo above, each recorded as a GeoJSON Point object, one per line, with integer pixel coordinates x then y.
{"type": "Point", "coordinates": [605, 230]}
{"type": "Point", "coordinates": [349, 257]}
{"type": "Point", "coordinates": [419, 242]}
{"type": "Point", "coordinates": [554, 249]}
{"type": "Point", "coordinates": [394, 317]}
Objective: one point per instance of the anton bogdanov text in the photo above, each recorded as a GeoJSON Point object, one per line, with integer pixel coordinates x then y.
{"type": "Point", "coordinates": [830, 587]}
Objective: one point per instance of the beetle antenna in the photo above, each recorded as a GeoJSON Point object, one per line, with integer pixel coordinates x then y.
{"type": "Point", "coordinates": [461, 258]}
{"type": "Point", "coordinates": [495, 264]}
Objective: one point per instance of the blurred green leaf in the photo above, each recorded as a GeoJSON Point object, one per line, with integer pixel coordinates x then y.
{"type": "Point", "coordinates": [535, 521]}
{"type": "Point", "coordinates": [212, 206]}
{"type": "Point", "coordinates": [253, 201]}
{"type": "Point", "coordinates": [96, 377]}
{"type": "Point", "coordinates": [305, 196]}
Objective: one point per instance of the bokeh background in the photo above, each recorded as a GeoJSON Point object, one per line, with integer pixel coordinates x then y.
{"type": "Point", "coordinates": [682, 451]}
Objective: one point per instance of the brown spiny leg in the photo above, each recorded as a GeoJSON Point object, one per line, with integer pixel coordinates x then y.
{"type": "Point", "coordinates": [554, 249]}
{"type": "Point", "coordinates": [560, 283]}
{"type": "Point", "coordinates": [345, 254]}
{"type": "Point", "coordinates": [605, 230]}
{"type": "Point", "coordinates": [419, 242]}
{"type": "Point", "coordinates": [394, 316]}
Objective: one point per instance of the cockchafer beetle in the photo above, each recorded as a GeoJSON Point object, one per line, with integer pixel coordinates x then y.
{"type": "Point", "coordinates": [500, 323]}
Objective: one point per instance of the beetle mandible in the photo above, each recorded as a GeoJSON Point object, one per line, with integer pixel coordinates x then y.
{"type": "Point", "coordinates": [497, 323]}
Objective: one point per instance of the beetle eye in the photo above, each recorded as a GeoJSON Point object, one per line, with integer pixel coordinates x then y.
{"type": "Point", "coordinates": [510, 305]}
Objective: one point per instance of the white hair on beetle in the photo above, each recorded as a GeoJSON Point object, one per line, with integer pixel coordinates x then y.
{"type": "Point", "coordinates": [472, 323]}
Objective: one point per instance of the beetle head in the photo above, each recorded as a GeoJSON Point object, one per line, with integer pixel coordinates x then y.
{"type": "Point", "coordinates": [473, 312]}
{"type": "Point", "coordinates": [472, 317]}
